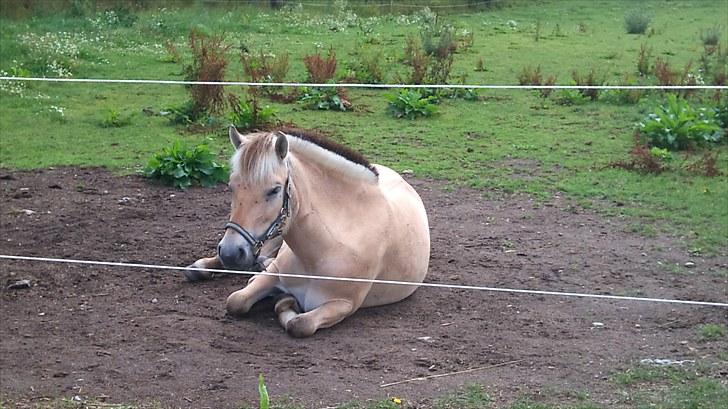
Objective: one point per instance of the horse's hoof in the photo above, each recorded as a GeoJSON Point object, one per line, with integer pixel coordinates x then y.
{"type": "Point", "coordinates": [196, 275]}
{"type": "Point", "coordinates": [300, 327]}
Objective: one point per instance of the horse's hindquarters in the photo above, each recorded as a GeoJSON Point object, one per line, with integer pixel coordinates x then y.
{"type": "Point", "coordinates": [407, 252]}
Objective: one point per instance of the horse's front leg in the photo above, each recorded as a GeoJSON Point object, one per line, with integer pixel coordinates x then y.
{"type": "Point", "coordinates": [259, 287]}
{"type": "Point", "coordinates": [209, 262]}
{"type": "Point", "coordinates": [326, 315]}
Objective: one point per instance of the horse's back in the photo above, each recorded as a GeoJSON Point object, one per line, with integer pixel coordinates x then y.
{"type": "Point", "coordinates": [408, 240]}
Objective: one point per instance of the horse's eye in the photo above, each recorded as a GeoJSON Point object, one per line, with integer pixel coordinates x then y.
{"type": "Point", "coordinates": [274, 191]}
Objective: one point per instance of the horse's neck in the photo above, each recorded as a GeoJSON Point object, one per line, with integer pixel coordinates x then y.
{"type": "Point", "coordinates": [322, 199]}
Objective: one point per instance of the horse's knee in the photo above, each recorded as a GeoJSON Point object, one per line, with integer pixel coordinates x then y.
{"type": "Point", "coordinates": [237, 303]}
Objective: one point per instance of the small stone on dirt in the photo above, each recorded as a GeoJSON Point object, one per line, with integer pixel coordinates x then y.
{"type": "Point", "coordinates": [665, 362]}
{"type": "Point", "coordinates": [597, 324]}
{"type": "Point", "coordinates": [689, 264]}
{"type": "Point", "coordinates": [19, 285]}
{"type": "Point", "coordinates": [154, 300]}
{"type": "Point", "coordinates": [23, 193]}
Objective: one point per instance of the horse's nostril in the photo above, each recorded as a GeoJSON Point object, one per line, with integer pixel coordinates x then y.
{"type": "Point", "coordinates": [243, 253]}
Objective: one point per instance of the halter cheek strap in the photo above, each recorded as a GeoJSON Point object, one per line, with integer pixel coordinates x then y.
{"type": "Point", "coordinates": [274, 230]}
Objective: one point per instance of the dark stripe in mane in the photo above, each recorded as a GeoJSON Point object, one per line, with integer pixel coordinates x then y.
{"type": "Point", "coordinates": [321, 140]}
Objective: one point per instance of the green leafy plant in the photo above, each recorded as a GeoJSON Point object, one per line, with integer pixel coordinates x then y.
{"type": "Point", "coordinates": [570, 97]}
{"type": "Point", "coordinates": [410, 104]}
{"type": "Point", "coordinates": [721, 112]}
{"type": "Point", "coordinates": [248, 115]}
{"type": "Point", "coordinates": [263, 393]}
{"type": "Point", "coordinates": [624, 96]}
{"type": "Point", "coordinates": [676, 125]}
{"type": "Point", "coordinates": [183, 114]}
{"type": "Point", "coordinates": [113, 119]}
{"type": "Point", "coordinates": [661, 153]}
{"type": "Point", "coordinates": [468, 94]}
{"type": "Point", "coordinates": [636, 22]}
{"type": "Point", "coordinates": [183, 167]}
{"type": "Point", "coordinates": [329, 99]}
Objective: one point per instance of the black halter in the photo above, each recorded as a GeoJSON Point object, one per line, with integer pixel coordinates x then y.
{"type": "Point", "coordinates": [274, 230]}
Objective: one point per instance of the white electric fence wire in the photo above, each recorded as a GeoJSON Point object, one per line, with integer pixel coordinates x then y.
{"type": "Point", "coordinates": [304, 84]}
{"type": "Point", "coordinates": [355, 5]}
{"type": "Point", "coordinates": [368, 280]}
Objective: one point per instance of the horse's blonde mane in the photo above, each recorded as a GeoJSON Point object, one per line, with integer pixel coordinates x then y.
{"type": "Point", "coordinates": [256, 157]}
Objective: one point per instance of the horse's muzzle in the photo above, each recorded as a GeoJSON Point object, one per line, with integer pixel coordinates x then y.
{"type": "Point", "coordinates": [236, 254]}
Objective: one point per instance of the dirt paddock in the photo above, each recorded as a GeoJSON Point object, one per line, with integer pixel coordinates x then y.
{"type": "Point", "coordinates": [133, 335]}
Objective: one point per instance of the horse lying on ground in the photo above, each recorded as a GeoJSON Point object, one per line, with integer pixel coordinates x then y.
{"type": "Point", "coordinates": [302, 204]}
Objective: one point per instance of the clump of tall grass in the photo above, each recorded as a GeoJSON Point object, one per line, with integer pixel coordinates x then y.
{"type": "Point", "coordinates": [590, 79]}
{"type": "Point", "coordinates": [533, 76]}
{"type": "Point", "coordinates": [643, 60]}
{"type": "Point", "coordinates": [710, 36]}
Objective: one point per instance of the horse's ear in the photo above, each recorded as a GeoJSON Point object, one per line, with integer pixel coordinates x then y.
{"type": "Point", "coordinates": [281, 145]}
{"type": "Point", "coordinates": [235, 137]}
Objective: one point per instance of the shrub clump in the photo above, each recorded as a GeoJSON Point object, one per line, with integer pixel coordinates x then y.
{"type": "Point", "coordinates": [365, 69]}
{"type": "Point", "coordinates": [431, 60]}
{"type": "Point", "coordinates": [208, 64]}
{"type": "Point", "coordinates": [265, 67]}
{"type": "Point", "coordinates": [636, 22]}
{"type": "Point", "coordinates": [183, 167]}
{"type": "Point", "coordinates": [320, 69]}
{"type": "Point", "coordinates": [644, 159]}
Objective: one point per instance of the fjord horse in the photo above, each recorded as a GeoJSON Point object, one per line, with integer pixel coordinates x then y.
{"type": "Point", "coordinates": [302, 204]}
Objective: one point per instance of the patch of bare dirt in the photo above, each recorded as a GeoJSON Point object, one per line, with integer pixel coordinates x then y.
{"type": "Point", "coordinates": [131, 335]}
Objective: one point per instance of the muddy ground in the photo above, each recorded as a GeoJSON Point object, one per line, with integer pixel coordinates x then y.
{"type": "Point", "coordinates": [136, 335]}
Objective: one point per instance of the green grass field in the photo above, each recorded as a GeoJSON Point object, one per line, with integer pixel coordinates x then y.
{"type": "Point", "coordinates": [508, 141]}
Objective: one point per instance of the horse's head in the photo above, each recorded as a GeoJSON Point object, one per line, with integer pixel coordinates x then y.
{"type": "Point", "coordinates": [259, 181]}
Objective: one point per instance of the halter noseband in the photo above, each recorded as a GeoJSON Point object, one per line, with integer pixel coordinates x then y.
{"type": "Point", "coordinates": [274, 230]}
